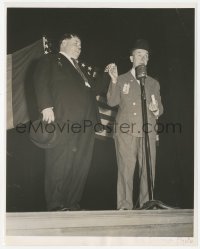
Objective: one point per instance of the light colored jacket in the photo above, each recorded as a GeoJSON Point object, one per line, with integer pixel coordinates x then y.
{"type": "Point", "coordinates": [127, 94]}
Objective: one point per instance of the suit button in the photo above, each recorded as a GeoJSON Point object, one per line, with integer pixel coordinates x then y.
{"type": "Point", "coordinates": [134, 113]}
{"type": "Point", "coordinates": [134, 103]}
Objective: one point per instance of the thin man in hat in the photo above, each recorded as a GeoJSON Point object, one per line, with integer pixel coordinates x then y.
{"type": "Point", "coordinates": [125, 91]}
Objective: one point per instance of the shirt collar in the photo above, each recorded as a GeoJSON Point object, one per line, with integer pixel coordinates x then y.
{"type": "Point", "coordinates": [133, 73]}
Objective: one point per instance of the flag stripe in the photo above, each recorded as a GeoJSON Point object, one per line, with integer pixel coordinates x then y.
{"type": "Point", "coordinates": [105, 134]}
{"type": "Point", "coordinates": [18, 70]}
{"type": "Point", "coordinates": [106, 117]}
{"type": "Point", "coordinates": [9, 93]}
{"type": "Point", "coordinates": [22, 61]}
{"type": "Point", "coordinates": [107, 112]}
{"type": "Point", "coordinates": [104, 106]}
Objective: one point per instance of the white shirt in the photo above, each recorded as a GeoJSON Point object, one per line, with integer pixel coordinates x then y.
{"type": "Point", "coordinates": [133, 73]}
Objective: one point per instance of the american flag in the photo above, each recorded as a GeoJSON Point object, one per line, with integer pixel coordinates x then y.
{"type": "Point", "coordinates": [19, 77]}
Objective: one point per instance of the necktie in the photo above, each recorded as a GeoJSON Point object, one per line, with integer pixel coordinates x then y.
{"type": "Point", "coordinates": [87, 84]}
{"type": "Point", "coordinates": [79, 70]}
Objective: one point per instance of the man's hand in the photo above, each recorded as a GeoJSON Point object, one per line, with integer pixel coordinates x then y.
{"type": "Point", "coordinates": [48, 115]}
{"type": "Point", "coordinates": [112, 71]}
{"type": "Point", "coordinates": [153, 106]}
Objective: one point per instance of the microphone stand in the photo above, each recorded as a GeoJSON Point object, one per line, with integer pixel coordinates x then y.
{"type": "Point", "coordinates": [151, 204]}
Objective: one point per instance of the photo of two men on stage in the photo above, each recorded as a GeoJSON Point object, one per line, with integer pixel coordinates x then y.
{"type": "Point", "coordinates": [107, 35]}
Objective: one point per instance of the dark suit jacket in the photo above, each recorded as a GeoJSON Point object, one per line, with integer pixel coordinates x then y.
{"type": "Point", "coordinates": [59, 85]}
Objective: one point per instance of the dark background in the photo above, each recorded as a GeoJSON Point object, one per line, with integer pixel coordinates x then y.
{"type": "Point", "coordinates": [107, 35]}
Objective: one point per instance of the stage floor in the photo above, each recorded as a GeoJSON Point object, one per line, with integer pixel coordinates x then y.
{"type": "Point", "coordinates": [140, 223]}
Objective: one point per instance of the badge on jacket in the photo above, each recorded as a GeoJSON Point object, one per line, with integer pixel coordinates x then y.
{"type": "Point", "coordinates": [126, 88]}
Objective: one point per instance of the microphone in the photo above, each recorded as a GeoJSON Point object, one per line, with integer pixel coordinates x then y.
{"type": "Point", "coordinates": [141, 73]}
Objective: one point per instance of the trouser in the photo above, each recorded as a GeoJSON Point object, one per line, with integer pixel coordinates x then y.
{"type": "Point", "coordinates": [128, 150]}
{"type": "Point", "coordinates": [66, 170]}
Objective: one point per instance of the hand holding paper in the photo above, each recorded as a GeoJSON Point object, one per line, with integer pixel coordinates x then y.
{"type": "Point", "coordinates": [112, 71]}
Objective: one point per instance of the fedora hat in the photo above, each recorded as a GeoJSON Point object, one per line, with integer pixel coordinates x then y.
{"type": "Point", "coordinates": [141, 44]}
{"type": "Point", "coordinates": [45, 135]}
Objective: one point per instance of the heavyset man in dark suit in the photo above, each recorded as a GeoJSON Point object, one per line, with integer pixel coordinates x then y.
{"type": "Point", "coordinates": [125, 91]}
{"type": "Point", "coordinates": [66, 96]}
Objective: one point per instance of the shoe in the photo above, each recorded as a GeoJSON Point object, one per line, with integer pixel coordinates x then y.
{"type": "Point", "coordinates": [72, 208]}
{"type": "Point", "coordinates": [120, 209]}
{"type": "Point", "coordinates": [59, 209]}
{"type": "Point", "coordinates": [75, 208]}
{"type": "Point", "coordinates": [64, 209]}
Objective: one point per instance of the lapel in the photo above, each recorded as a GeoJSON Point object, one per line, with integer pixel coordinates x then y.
{"type": "Point", "coordinates": [134, 85]}
{"type": "Point", "coordinates": [65, 63]}
{"type": "Point", "coordinates": [136, 89]}
{"type": "Point", "coordinates": [132, 79]}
